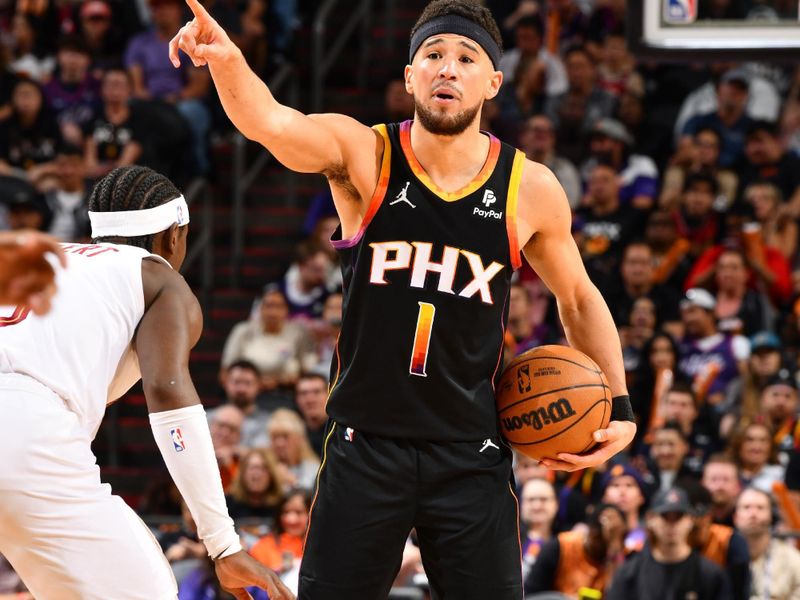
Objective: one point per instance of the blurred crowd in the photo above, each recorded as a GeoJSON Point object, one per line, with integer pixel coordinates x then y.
{"type": "Point", "coordinates": [684, 181]}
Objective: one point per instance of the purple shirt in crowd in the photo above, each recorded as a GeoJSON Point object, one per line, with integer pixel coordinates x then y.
{"type": "Point", "coordinates": [152, 54]}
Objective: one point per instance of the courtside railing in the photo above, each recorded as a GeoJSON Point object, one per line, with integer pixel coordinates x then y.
{"type": "Point", "coordinates": [284, 86]}
{"type": "Point", "coordinates": [325, 54]}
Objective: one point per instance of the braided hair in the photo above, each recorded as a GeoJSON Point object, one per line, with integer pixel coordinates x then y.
{"type": "Point", "coordinates": [131, 188]}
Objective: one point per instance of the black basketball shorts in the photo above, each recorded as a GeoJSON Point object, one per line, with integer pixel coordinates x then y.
{"type": "Point", "coordinates": [372, 491]}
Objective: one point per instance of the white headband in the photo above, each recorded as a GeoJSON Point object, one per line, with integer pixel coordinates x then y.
{"type": "Point", "coordinates": [132, 223]}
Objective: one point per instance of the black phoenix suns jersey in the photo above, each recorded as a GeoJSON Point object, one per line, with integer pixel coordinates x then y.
{"type": "Point", "coordinates": [426, 286]}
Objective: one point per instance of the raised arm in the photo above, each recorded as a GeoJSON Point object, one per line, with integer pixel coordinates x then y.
{"type": "Point", "coordinates": [587, 321]}
{"type": "Point", "coordinates": [309, 144]}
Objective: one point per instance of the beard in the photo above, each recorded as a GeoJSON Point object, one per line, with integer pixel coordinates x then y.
{"type": "Point", "coordinates": [439, 123]}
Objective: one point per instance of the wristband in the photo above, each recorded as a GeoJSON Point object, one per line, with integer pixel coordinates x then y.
{"type": "Point", "coordinates": [621, 409]}
{"type": "Point", "coordinates": [184, 440]}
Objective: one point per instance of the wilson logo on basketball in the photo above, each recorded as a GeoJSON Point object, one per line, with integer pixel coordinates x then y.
{"type": "Point", "coordinates": [555, 412]}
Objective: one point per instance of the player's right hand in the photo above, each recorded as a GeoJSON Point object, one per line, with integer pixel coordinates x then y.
{"type": "Point", "coordinates": [202, 39]}
{"type": "Point", "coordinates": [239, 571]}
{"type": "Point", "coordinates": [26, 277]}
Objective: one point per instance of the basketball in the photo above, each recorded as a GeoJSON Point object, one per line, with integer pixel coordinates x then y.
{"type": "Point", "coordinates": [552, 399]}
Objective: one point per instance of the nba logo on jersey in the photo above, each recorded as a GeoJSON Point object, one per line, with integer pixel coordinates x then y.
{"type": "Point", "coordinates": [677, 12]}
{"type": "Point", "coordinates": [177, 439]}
{"type": "Point", "coordinates": [349, 434]}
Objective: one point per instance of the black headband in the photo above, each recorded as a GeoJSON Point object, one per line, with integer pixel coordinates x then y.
{"type": "Point", "coordinates": [457, 25]}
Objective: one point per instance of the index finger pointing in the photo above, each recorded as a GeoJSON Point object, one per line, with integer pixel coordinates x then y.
{"type": "Point", "coordinates": [198, 10]}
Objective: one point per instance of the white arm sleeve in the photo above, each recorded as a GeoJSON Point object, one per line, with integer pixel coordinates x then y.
{"type": "Point", "coordinates": [183, 437]}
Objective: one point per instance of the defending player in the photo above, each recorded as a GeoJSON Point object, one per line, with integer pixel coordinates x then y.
{"type": "Point", "coordinates": [433, 216]}
{"type": "Point", "coordinates": [122, 313]}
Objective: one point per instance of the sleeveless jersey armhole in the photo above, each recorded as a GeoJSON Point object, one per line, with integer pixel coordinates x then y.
{"type": "Point", "coordinates": [511, 209]}
{"type": "Point", "coordinates": [377, 196]}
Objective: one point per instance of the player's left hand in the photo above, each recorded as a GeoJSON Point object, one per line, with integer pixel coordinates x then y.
{"type": "Point", "coordinates": [611, 440]}
{"type": "Point", "coordinates": [239, 571]}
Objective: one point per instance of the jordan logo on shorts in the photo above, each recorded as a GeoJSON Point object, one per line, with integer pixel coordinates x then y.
{"type": "Point", "coordinates": [401, 197]}
{"type": "Point", "coordinates": [487, 443]}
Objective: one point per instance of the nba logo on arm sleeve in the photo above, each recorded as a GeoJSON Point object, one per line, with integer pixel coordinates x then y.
{"type": "Point", "coordinates": [678, 12]}
{"type": "Point", "coordinates": [177, 439]}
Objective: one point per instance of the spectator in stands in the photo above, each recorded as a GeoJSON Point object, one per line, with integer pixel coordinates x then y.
{"type": "Point", "coordinates": [729, 118]}
{"type": "Point", "coordinates": [523, 329]}
{"type": "Point", "coordinates": [721, 479]}
{"type": "Point", "coordinates": [183, 549]}
{"type": "Point", "coordinates": [311, 394]}
{"type": "Point", "coordinates": [73, 93]}
{"type": "Point", "coordinates": [667, 453]}
{"type": "Point", "coordinates": [753, 448]}
{"type": "Point", "coordinates": [610, 142]}
{"type": "Point", "coordinates": [720, 544]}
{"type": "Point", "coordinates": [398, 104]}
{"type": "Point", "coordinates": [695, 218]}
{"type": "Point", "coordinates": [672, 260]}
{"type": "Point", "coordinates": [616, 71]}
{"type": "Point", "coordinates": [520, 100]}
{"type": "Point", "coordinates": [742, 404]}
{"type": "Point", "coordinates": [297, 462]}
{"type": "Point", "coordinates": [634, 333]}
{"type": "Point", "coordinates": [29, 57]}
{"type": "Point", "coordinates": [668, 567]}
{"type": "Point", "coordinates": [696, 421]}
{"type": "Point", "coordinates": [538, 141]}
{"type": "Point", "coordinates": [636, 270]}
{"type": "Point", "coordinates": [768, 268]}
{"type": "Point", "coordinates": [698, 154]}
{"type": "Point", "coordinates": [582, 558]}
{"type": "Point", "coordinates": [775, 564]}
{"type": "Point", "coordinates": [226, 436]}
{"type": "Point", "coordinates": [538, 506]}
{"type": "Point", "coordinates": [67, 195]}
{"type": "Point", "coordinates": [257, 489]}
{"type": "Point", "coordinates": [242, 385]}
{"type": "Point", "coordinates": [624, 487]}
{"type": "Point", "coordinates": [30, 137]}
{"type": "Point", "coordinates": [604, 226]}
{"type": "Point", "coordinates": [566, 25]}
{"type": "Point", "coordinates": [763, 100]}
{"type": "Point", "coordinates": [739, 309]}
{"type": "Point", "coordinates": [304, 284]}
{"type": "Point", "coordinates": [778, 227]}
{"type": "Point", "coordinates": [279, 348]}
{"type": "Point", "coordinates": [10, 583]}
{"type": "Point", "coordinates": [525, 469]}
{"type": "Point", "coordinates": [582, 89]}
{"type": "Point", "coordinates": [114, 138]}
{"type": "Point", "coordinates": [779, 406]}
{"type": "Point", "coordinates": [154, 76]}
{"type": "Point", "coordinates": [767, 161]}
{"type": "Point", "coordinates": [103, 40]}
{"type": "Point", "coordinates": [326, 331]}
{"type": "Point", "coordinates": [654, 374]}
{"type": "Point", "coordinates": [528, 46]}
{"type": "Point", "coordinates": [282, 549]}
{"type": "Point", "coordinates": [711, 358]}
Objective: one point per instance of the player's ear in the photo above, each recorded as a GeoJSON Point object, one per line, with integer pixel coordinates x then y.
{"type": "Point", "coordinates": [408, 74]}
{"type": "Point", "coordinates": [493, 84]}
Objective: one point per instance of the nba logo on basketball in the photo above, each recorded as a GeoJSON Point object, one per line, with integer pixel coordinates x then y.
{"type": "Point", "coordinates": [677, 12]}
{"type": "Point", "coordinates": [177, 439]}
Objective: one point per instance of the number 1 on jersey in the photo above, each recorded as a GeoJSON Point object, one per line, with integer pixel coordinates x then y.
{"type": "Point", "coordinates": [422, 339]}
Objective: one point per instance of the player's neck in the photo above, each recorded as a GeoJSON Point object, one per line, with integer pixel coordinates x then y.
{"type": "Point", "coordinates": [442, 156]}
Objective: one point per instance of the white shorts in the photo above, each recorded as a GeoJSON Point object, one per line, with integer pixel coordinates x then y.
{"type": "Point", "coordinates": [60, 528]}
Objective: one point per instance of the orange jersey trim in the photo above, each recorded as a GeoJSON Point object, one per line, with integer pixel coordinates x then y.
{"type": "Point", "coordinates": [377, 196]}
{"type": "Point", "coordinates": [316, 486]}
{"type": "Point", "coordinates": [511, 208]}
{"type": "Point", "coordinates": [480, 179]}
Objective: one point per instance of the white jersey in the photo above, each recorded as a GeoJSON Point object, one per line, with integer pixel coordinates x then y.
{"type": "Point", "coordinates": [82, 348]}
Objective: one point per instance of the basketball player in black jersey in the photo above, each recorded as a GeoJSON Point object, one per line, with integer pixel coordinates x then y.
{"type": "Point", "coordinates": [434, 214]}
